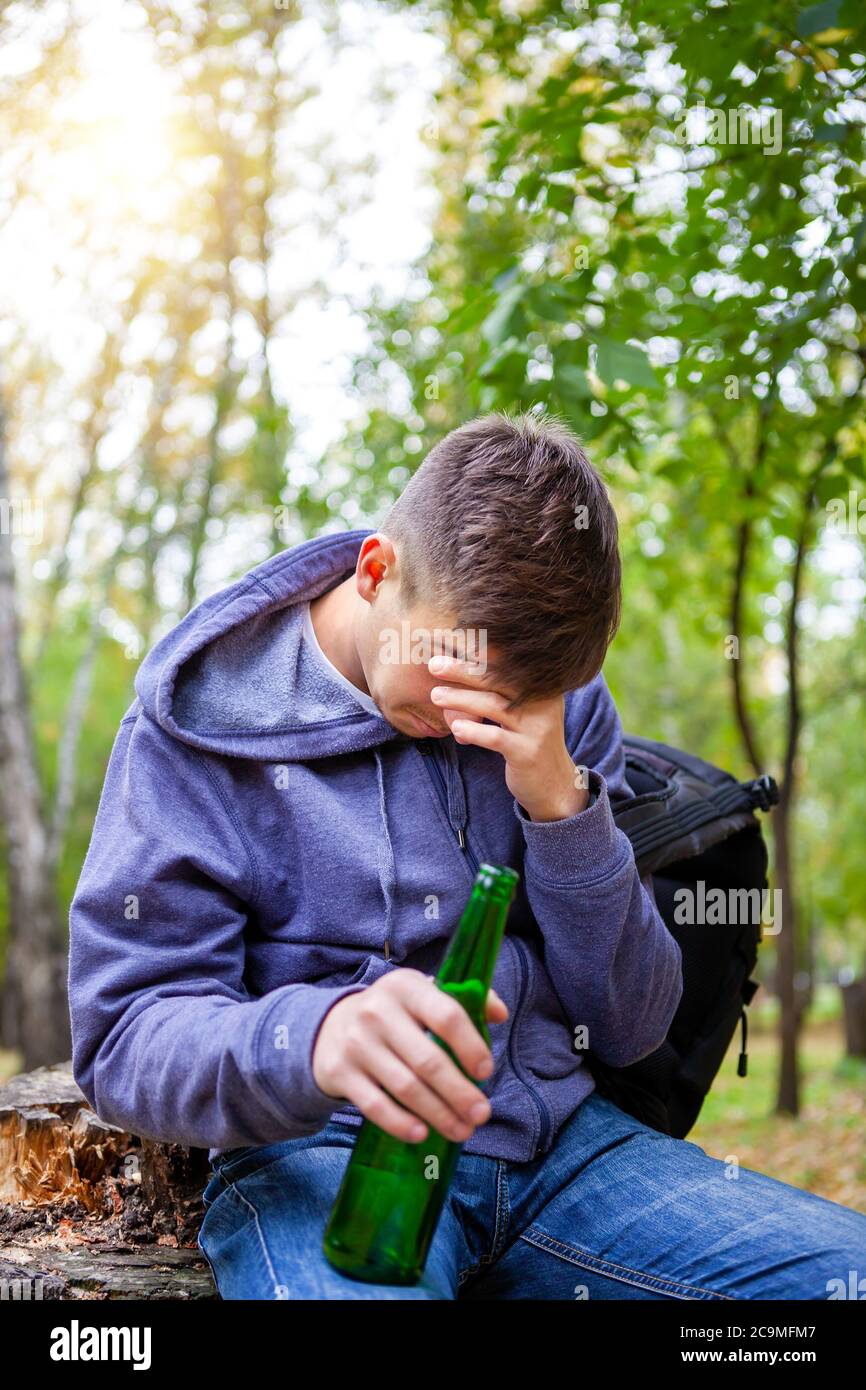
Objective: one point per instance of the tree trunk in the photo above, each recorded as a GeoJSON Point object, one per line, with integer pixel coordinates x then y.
{"type": "Point", "coordinates": [34, 1015]}
{"type": "Point", "coordinates": [788, 1096]}
{"type": "Point", "coordinates": [854, 1010]}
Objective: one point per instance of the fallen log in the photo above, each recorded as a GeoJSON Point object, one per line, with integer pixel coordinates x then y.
{"type": "Point", "coordinates": [89, 1211]}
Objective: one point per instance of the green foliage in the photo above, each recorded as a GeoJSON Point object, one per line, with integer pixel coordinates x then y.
{"type": "Point", "coordinates": [694, 307]}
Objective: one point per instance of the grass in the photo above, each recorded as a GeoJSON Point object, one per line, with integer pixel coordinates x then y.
{"type": "Point", "coordinates": [822, 1149]}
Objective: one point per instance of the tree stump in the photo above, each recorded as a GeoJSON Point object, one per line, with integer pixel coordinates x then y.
{"type": "Point", "coordinates": [88, 1211]}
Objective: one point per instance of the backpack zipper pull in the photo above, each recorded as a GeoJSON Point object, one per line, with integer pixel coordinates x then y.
{"type": "Point", "coordinates": [743, 1060]}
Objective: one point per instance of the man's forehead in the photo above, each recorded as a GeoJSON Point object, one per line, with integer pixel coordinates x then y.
{"type": "Point", "coordinates": [439, 633]}
{"type": "Point", "coordinates": [445, 636]}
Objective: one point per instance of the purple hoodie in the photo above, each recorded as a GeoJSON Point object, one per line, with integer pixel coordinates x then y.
{"type": "Point", "coordinates": [265, 845]}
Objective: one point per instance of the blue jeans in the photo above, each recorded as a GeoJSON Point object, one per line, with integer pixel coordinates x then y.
{"type": "Point", "coordinates": [614, 1210]}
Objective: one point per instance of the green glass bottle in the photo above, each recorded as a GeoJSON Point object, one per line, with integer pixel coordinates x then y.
{"type": "Point", "coordinates": [392, 1193]}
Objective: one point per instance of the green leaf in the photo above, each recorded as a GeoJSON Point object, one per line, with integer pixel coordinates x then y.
{"type": "Point", "coordinates": [529, 186]}
{"type": "Point", "coordinates": [469, 314]}
{"type": "Point", "coordinates": [570, 351]}
{"type": "Point", "coordinates": [507, 363]}
{"type": "Point", "coordinates": [549, 301]}
{"type": "Point", "coordinates": [505, 317]}
{"type": "Point", "coordinates": [506, 277]}
{"type": "Point", "coordinates": [572, 383]}
{"type": "Point", "coordinates": [622, 362]}
{"type": "Point", "coordinates": [560, 197]}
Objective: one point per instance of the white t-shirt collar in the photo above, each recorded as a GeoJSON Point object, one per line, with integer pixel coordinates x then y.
{"type": "Point", "coordinates": [309, 632]}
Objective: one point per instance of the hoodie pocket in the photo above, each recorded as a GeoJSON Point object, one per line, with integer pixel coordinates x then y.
{"type": "Point", "coordinates": [370, 970]}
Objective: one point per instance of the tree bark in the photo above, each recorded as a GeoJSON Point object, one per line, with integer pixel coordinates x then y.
{"type": "Point", "coordinates": [788, 1098]}
{"type": "Point", "coordinates": [788, 1095]}
{"type": "Point", "coordinates": [741, 709]}
{"type": "Point", "coordinates": [854, 1009]}
{"type": "Point", "coordinates": [34, 1014]}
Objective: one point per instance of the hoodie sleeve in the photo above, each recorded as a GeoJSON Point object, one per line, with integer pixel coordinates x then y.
{"type": "Point", "coordinates": [166, 1040]}
{"type": "Point", "coordinates": [615, 966]}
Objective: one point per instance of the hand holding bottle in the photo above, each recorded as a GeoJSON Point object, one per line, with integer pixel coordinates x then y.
{"type": "Point", "coordinates": [373, 1050]}
{"type": "Point", "coordinates": [411, 1038]}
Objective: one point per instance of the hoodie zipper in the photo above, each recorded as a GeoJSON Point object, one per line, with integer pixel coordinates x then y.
{"type": "Point", "coordinates": [544, 1117]}
{"type": "Point", "coordinates": [425, 748]}
{"type": "Point", "coordinates": [545, 1123]}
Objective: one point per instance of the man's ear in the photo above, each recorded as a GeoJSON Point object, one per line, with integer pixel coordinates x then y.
{"type": "Point", "coordinates": [376, 558]}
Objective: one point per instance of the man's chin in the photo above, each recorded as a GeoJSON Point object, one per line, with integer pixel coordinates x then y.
{"type": "Point", "coordinates": [417, 727]}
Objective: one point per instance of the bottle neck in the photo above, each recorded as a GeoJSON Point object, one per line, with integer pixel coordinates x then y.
{"type": "Point", "coordinates": [473, 950]}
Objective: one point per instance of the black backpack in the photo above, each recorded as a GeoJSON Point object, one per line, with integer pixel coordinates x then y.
{"type": "Point", "coordinates": [691, 824]}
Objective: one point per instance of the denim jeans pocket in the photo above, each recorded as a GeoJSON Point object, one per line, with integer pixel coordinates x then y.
{"type": "Point", "coordinates": [235, 1163]}
{"type": "Point", "coordinates": [239, 1163]}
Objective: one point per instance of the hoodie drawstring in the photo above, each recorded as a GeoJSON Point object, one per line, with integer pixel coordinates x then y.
{"type": "Point", "coordinates": [385, 857]}
{"type": "Point", "coordinates": [457, 815]}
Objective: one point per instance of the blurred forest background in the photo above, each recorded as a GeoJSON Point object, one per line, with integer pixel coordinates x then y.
{"type": "Point", "coordinates": [256, 258]}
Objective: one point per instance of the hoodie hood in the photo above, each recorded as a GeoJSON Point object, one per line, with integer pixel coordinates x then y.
{"type": "Point", "coordinates": [235, 676]}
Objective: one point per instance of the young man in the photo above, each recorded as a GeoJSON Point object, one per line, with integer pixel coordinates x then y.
{"type": "Point", "coordinates": [293, 814]}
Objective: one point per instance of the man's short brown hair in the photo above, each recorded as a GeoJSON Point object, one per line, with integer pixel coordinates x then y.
{"type": "Point", "coordinates": [507, 523]}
